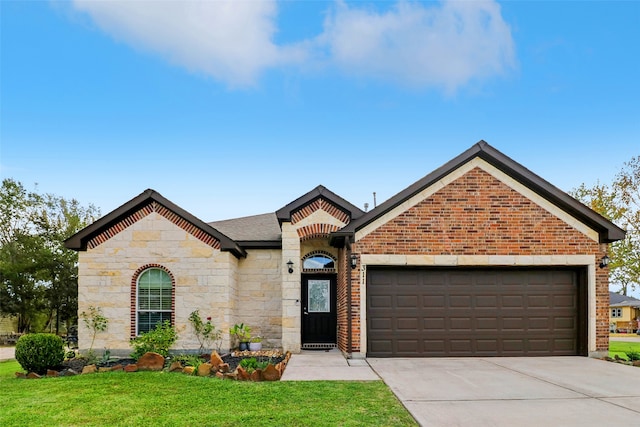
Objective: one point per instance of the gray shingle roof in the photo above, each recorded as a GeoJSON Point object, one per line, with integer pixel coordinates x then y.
{"type": "Point", "coordinates": [617, 300]}
{"type": "Point", "coordinates": [255, 228]}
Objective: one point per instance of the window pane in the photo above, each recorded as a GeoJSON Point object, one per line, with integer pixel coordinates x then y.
{"type": "Point", "coordinates": [318, 262]}
{"type": "Point", "coordinates": [318, 298]}
{"type": "Point", "coordinates": [154, 297]}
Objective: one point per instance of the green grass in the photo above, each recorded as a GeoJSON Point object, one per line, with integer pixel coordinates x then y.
{"type": "Point", "coordinates": [162, 399]}
{"type": "Point", "coordinates": [620, 348]}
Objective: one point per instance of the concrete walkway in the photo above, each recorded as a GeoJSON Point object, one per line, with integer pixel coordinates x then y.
{"type": "Point", "coordinates": [519, 391]}
{"type": "Point", "coordinates": [326, 365]}
{"type": "Point", "coordinates": [7, 353]}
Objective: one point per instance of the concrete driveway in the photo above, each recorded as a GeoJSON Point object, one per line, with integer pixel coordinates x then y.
{"type": "Point", "coordinates": [519, 391]}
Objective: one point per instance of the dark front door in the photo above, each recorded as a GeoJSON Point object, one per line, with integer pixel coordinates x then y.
{"type": "Point", "coordinates": [319, 320]}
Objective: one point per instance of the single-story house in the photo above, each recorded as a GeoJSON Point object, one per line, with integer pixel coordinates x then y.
{"type": "Point", "coordinates": [624, 312]}
{"type": "Point", "coordinates": [480, 257]}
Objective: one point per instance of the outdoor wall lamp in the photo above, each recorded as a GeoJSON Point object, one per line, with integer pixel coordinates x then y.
{"type": "Point", "coordinates": [290, 265]}
{"type": "Point", "coordinates": [605, 261]}
{"type": "Point", "coordinates": [354, 261]}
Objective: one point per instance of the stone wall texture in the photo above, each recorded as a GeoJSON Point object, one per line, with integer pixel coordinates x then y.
{"type": "Point", "coordinates": [204, 277]}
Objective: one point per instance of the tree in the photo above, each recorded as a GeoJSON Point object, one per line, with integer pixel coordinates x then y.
{"type": "Point", "coordinates": [620, 203]}
{"type": "Point", "coordinates": [38, 275]}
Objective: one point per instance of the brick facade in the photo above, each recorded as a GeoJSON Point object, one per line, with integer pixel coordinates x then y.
{"type": "Point", "coordinates": [479, 215]}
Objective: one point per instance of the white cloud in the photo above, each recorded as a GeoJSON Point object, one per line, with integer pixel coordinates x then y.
{"type": "Point", "coordinates": [444, 45]}
{"type": "Point", "coordinates": [230, 41]}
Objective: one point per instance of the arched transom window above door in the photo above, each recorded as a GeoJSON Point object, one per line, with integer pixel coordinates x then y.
{"type": "Point", "coordinates": [319, 262]}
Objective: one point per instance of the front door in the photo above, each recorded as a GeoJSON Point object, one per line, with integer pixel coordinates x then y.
{"type": "Point", "coordinates": [319, 319]}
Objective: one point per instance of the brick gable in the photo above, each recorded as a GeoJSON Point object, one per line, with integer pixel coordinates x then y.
{"type": "Point", "coordinates": [319, 204]}
{"type": "Point", "coordinates": [476, 215]}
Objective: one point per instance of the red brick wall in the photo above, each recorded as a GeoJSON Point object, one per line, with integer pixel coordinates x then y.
{"type": "Point", "coordinates": [342, 310]}
{"type": "Point", "coordinates": [479, 215]}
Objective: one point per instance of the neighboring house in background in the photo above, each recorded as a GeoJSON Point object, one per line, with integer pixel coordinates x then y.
{"type": "Point", "coordinates": [624, 312]}
{"type": "Point", "coordinates": [479, 258]}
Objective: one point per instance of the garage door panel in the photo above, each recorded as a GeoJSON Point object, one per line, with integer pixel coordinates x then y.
{"type": "Point", "coordinates": [380, 301]}
{"type": "Point", "coordinates": [459, 313]}
{"type": "Point", "coordinates": [486, 301]}
{"type": "Point", "coordinates": [512, 301]}
{"type": "Point", "coordinates": [433, 324]}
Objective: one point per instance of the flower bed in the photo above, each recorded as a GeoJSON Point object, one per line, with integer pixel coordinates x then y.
{"type": "Point", "coordinates": [266, 365]}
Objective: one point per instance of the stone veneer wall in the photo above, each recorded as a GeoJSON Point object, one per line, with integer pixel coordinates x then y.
{"type": "Point", "coordinates": [259, 295]}
{"type": "Point", "coordinates": [204, 276]}
{"type": "Point", "coordinates": [479, 215]}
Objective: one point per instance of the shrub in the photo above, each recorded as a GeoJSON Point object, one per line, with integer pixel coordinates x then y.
{"type": "Point", "coordinates": [206, 333]}
{"type": "Point", "coordinates": [633, 355]}
{"type": "Point", "coordinates": [158, 340]}
{"type": "Point", "coordinates": [39, 352]}
{"type": "Point", "coordinates": [95, 322]}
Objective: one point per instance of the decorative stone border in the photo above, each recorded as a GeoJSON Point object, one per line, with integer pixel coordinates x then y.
{"type": "Point", "coordinates": [215, 367]}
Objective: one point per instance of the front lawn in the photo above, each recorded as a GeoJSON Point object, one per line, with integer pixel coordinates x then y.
{"type": "Point", "coordinates": [163, 399]}
{"type": "Point", "coordinates": [621, 347]}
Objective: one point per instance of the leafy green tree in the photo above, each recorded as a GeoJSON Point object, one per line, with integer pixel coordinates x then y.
{"type": "Point", "coordinates": [38, 275]}
{"type": "Point", "coordinates": [620, 202]}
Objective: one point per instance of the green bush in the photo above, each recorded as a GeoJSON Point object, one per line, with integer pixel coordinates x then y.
{"type": "Point", "coordinates": [633, 355]}
{"type": "Point", "coordinates": [158, 340]}
{"type": "Point", "coordinates": [39, 352]}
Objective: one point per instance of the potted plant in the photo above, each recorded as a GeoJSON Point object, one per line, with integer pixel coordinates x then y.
{"type": "Point", "coordinates": [243, 333]}
{"type": "Point", "coordinates": [255, 344]}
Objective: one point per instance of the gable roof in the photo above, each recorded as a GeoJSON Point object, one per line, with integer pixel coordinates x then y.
{"type": "Point", "coordinates": [284, 214]}
{"type": "Point", "coordinates": [79, 240]}
{"type": "Point", "coordinates": [256, 231]}
{"type": "Point", "coordinates": [617, 300]}
{"type": "Point", "coordinates": [607, 231]}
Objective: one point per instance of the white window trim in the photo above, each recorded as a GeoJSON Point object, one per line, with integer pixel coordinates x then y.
{"type": "Point", "coordinates": [138, 310]}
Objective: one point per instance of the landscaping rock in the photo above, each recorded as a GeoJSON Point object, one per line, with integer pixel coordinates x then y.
{"type": "Point", "coordinates": [89, 369]}
{"type": "Point", "coordinates": [52, 373]}
{"type": "Point", "coordinates": [21, 375]}
{"type": "Point", "coordinates": [215, 360]}
{"type": "Point", "coordinates": [69, 373]}
{"type": "Point", "coordinates": [189, 370]}
{"type": "Point", "coordinates": [220, 375]}
{"type": "Point", "coordinates": [256, 375]}
{"type": "Point", "coordinates": [33, 376]}
{"type": "Point", "coordinates": [224, 368]}
{"type": "Point", "coordinates": [176, 367]}
{"type": "Point", "coordinates": [131, 368]}
{"type": "Point", "coordinates": [204, 370]}
{"type": "Point", "coordinates": [636, 363]}
{"type": "Point", "coordinates": [151, 362]}
{"type": "Point", "coordinates": [243, 375]}
{"type": "Point", "coordinates": [102, 369]}
{"type": "Point", "coordinates": [270, 373]}
{"type": "Point", "coordinates": [117, 368]}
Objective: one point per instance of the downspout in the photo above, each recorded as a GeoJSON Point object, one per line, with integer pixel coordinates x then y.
{"type": "Point", "coordinates": [349, 323]}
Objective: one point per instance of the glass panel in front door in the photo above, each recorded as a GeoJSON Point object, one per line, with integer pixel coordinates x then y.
{"type": "Point", "coordinates": [319, 296]}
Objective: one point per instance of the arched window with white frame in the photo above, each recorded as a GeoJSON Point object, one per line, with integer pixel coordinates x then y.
{"type": "Point", "coordinates": [154, 299]}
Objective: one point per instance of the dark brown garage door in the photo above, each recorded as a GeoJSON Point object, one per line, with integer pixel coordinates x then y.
{"type": "Point", "coordinates": [461, 312]}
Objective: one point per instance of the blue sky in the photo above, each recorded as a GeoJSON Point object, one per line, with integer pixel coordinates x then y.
{"type": "Point", "coordinates": [234, 109]}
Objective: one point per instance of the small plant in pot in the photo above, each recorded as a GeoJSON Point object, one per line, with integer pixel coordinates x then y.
{"type": "Point", "coordinates": [243, 333]}
{"type": "Point", "coordinates": [255, 344]}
